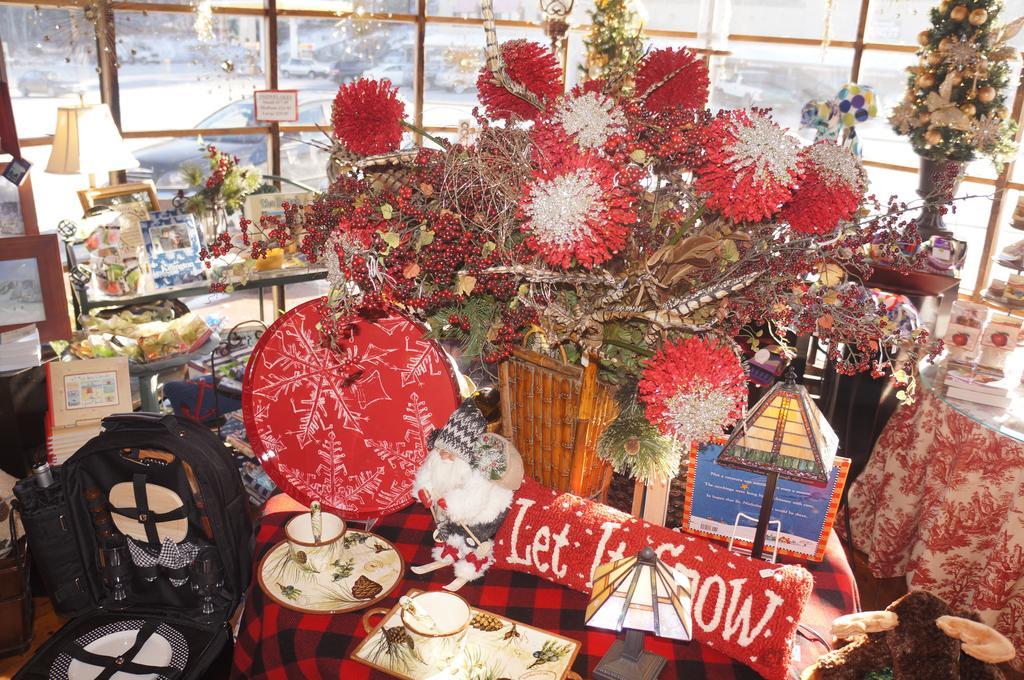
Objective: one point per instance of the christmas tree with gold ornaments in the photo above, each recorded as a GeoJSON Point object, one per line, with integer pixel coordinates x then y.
{"type": "Point", "coordinates": [956, 102]}
{"type": "Point", "coordinates": [615, 44]}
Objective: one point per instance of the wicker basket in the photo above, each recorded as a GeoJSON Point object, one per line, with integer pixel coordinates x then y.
{"type": "Point", "coordinates": [554, 413]}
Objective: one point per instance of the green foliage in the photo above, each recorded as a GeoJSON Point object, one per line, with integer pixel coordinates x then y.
{"type": "Point", "coordinates": [634, 447]}
{"type": "Point", "coordinates": [615, 43]}
{"type": "Point", "coordinates": [944, 140]}
{"type": "Point", "coordinates": [225, 185]}
{"type": "Point", "coordinates": [481, 312]}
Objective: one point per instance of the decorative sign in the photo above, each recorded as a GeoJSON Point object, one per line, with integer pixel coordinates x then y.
{"type": "Point", "coordinates": [351, 441]}
{"type": "Point", "coordinates": [173, 243]}
{"type": "Point", "coordinates": [276, 106]}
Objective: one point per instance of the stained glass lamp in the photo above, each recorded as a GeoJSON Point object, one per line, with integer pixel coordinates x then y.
{"type": "Point", "coordinates": [785, 435]}
{"type": "Point", "coordinates": [639, 594]}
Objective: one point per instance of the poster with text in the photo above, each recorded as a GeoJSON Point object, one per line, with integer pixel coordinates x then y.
{"type": "Point", "coordinates": [803, 513]}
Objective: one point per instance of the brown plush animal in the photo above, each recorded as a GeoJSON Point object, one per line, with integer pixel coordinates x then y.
{"type": "Point", "coordinates": [918, 637]}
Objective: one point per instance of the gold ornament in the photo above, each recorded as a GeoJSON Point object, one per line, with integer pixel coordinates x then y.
{"type": "Point", "coordinates": [944, 6]}
{"type": "Point", "coordinates": [986, 94]}
{"type": "Point", "coordinates": [933, 137]}
{"type": "Point", "coordinates": [924, 37]}
{"type": "Point", "coordinates": [944, 44]}
{"type": "Point", "coordinates": [978, 17]}
{"type": "Point", "coordinates": [933, 59]}
{"type": "Point", "coordinates": [969, 109]}
{"type": "Point", "coordinates": [958, 13]}
{"type": "Point", "coordinates": [925, 81]}
{"type": "Point", "coordinates": [1001, 112]}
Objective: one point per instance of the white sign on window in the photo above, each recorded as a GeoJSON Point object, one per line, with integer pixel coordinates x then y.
{"type": "Point", "coordinates": [276, 106]}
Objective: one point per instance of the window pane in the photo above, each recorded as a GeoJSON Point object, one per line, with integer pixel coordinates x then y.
{"type": "Point", "coordinates": [454, 56]}
{"type": "Point", "coordinates": [662, 15]}
{"type": "Point", "coordinates": [898, 23]}
{"type": "Point", "coordinates": [302, 161]}
{"type": "Point", "coordinates": [315, 55]}
{"type": "Point", "coordinates": [382, 8]}
{"type": "Point", "coordinates": [885, 71]}
{"type": "Point", "coordinates": [190, 81]}
{"type": "Point", "coordinates": [515, 10]}
{"type": "Point", "coordinates": [36, 47]}
{"type": "Point", "coordinates": [1007, 234]}
{"type": "Point", "coordinates": [161, 159]}
{"type": "Point", "coordinates": [795, 18]}
{"type": "Point", "coordinates": [782, 77]}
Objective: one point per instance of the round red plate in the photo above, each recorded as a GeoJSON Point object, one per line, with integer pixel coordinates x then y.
{"type": "Point", "coordinates": [354, 447]}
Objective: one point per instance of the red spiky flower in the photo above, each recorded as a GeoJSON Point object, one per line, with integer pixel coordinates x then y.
{"type": "Point", "coordinates": [693, 389]}
{"type": "Point", "coordinates": [531, 65]}
{"type": "Point", "coordinates": [672, 77]}
{"type": "Point", "coordinates": [579, 208]}
{"type": "Point", "coordinates": [367, 116]}
{"type": "Point", "coordinates": [831, 190]}
{"type": "Point", "coordinates": [750, 166]}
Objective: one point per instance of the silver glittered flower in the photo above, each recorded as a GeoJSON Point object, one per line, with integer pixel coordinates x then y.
{"type": "Point", "coordinates": [986, 132]}
{"type": "Point", "coordinates": [591, 117]}
{"type": "Point", "coordinates": [560, 208]}
{"type": "Point", "coordinates": [764, 147]}
{"type": "Point", "coordinates": [903, 117]}
{"type": "Point", "coordinates": [697, 414]}
{"type": "Point", "coordinates": [836, 163]}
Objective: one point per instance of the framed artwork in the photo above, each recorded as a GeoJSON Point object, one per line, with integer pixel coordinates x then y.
{"type": "Point", "coordinates": [11, 221]}
{"type": "Point", "coordinates": [32, 286]}
{"type": "Point", "coordinates": [120, 194]}
{"type": "Point", "coordinates": [17, 207]}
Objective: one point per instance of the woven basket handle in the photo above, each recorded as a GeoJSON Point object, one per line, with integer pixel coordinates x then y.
{"type": "Point", "coordinates": [538, 329]}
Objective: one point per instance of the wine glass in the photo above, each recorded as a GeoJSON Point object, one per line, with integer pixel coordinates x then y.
{"type": "Point", "coordinates": [207, 575]}
{"type": "Point", "coordinates": [116, 568]}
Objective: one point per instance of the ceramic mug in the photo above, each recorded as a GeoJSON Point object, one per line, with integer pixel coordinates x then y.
{"type": "Point", "coordinates": [305, 550]}
{"type": "Point", "coordinates": [437, 622]}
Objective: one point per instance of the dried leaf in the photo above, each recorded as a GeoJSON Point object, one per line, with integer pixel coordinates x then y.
{"type": "Point", "coordinates": [425, 238]}
{"type": "Point", "coordinates": [825, 321]}
{"type": "Point", "coordinates": [411, 270]}
{"type": "Point", "coordinates": [728, 251]}
{"type": "Point", "coordinates": [387, 211]}
{"type": "Point", "coordinates": [639, 155]}
{"type": "Point", "coordinates": [488, 247]}
{"type": "Point", "coordinates": [465, 285]}
{"type": "Point", "coordinates": [426, 189]}
{"type": "Point", "coordinates": [391, 238]}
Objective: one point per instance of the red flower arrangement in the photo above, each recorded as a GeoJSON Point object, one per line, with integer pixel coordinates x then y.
{"type": "Point", "coordinates": [750, 166]}
{"type": "Point", "coordinates": [672, 77]}
{"type": "Point", "coordinates": [694, 389]}
{"type": "Point", "coordinates": [367, 116]}
{"type": "Point", "coordinates": [578, 208]}
{"type": "Point", "coordinates": [530, 64]}
{"type": "Point", "coordinates": [832, 189]}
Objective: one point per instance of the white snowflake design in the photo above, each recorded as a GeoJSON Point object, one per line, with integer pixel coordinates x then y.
{"type": "Point", "coordinates": [764, 148]}
{"type": "Point", "coordinates": [560, 208]}
{"type": "Point", "coordinates": [697, 414]}
{"type": "Point", "coordinates": [591, 117]}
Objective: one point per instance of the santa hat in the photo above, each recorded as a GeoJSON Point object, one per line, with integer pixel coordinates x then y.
{"type": "Point", "coordinates": [460, 436]}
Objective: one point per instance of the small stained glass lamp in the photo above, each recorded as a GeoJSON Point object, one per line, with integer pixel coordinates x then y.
{"type": "Point", "coordinates": [639, 594]}
{"type": "Point", "coordinates": [785, 435]}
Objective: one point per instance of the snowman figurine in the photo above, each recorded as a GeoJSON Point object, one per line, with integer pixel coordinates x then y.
{"type": "Point", "coordinates": [467, 482]}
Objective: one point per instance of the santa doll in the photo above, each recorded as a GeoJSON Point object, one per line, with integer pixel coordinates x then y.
{"type": "Point", "coordinates": [467, 481]}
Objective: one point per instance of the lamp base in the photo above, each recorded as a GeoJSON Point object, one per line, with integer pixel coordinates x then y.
{"type": "Point", "coordinates": [615, 665]}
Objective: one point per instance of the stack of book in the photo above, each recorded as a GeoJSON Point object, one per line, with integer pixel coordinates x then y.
{"type": "Point", "coordinates": [979, 386]}
{"type": "Point", "coordinates": [19, 348]}
{"type": "Point", "coordinates": [81, 394]}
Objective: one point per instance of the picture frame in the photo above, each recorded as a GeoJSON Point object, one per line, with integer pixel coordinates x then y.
{"type": "Point", "coordinates": [32, 286]}
{"type": "Point", "coordinates": [120, 194]}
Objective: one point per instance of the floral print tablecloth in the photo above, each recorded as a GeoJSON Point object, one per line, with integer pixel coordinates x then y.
{"type": "Point", "coordinates": [942, 502]}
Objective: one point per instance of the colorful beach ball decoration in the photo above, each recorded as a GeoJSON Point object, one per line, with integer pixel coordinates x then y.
{"type": "Point", "coordinates": [856, 104]}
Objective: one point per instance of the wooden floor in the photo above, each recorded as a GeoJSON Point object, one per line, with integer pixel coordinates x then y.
{"type": "Point", "coordinates": [46, 624]}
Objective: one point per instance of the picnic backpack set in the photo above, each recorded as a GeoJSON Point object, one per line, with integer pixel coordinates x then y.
{"type": "Point", "coordinates": [145, 539]}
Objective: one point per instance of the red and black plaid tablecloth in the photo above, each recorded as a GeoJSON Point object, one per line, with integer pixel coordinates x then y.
{"type": "Point", "coordinates": [275, 642]}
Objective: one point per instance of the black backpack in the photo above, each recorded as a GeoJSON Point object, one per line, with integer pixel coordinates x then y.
{"type": "Point", "coordinates": [188, 459]}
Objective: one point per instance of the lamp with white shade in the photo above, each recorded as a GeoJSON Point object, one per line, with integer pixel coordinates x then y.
{"type": "Point", "coordinates": [88, 142]}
